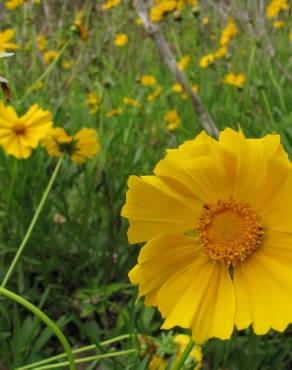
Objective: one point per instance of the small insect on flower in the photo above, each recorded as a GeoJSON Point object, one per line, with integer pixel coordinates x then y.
{"type": "Point", "coordinates": [20, 135]}
{"type": "Point", "coordinates": [121, 39]}
{"type": "Point", "coordinates": [216, 219]}
{"type": "Point", "coordinates": [80, 147]}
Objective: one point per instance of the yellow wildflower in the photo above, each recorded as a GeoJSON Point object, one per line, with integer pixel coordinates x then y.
{"type": "Point", "coordinates": [36, 86]}
{"type": "Point", "coordinates": [110, 4]}
{"type": "Point", "coordinates": [290, 36]}
{"type": "Point", "coordinates": [138, 21]}
{"type": "Point", "coordinates": [172, 119]}
{"type": "Point", "coordinates": [237, 80]}
{"type": "Point", "coordinates": [114, 112]}
{"type": "Point", "coordinates": [41, 41]}
{"type": "Point", "coordinates": [206, 60]}
{"type": "Point", "coordinates": [130, 101]}
{"type": "Point", "coordinates": [5, 40]}
{"type": "Point", "coordinates": [205, 21]}
{"type": "Point", "coordinates": [158, 11]}
{"type": "Point", "coordinates": [13, 4]}
{"type": "Point", "coordinates": [147, 80]}
{"type": "Point", "coordinates": [67, 64]}
{"type": "Point", "coordinates": [121, 39]}
{"type": "Point", "coordinates": [215, 217]}
{"type": "Point", "coordinates": [229, 32]}
{"type": "Point", "coordinates": [50, 56]}
{"type": "Point", "coordinates": [221, 52]}
{"type": "Point", "coordinates": [276, 6]}
{"type": "Point", "coordinates": [19, 135]}
{"type": "Point", "coordinates": [195, 89]}
{"type": "Point", "coordinates": [177, 88]}
{"type": "Point", "coordinates": [155, 94]}
{"type": "Point", "coordinates": [278, 24]}
{"type": "Point", "coordinates": [80, 27]}
{"type": "Point", "coordinates": [157, 363]}
{"type": "Point", "coordinates": [184, 62]}
{"type": "Point", "coordinates": [93, 101]}
{"type": "Point", "coordinates": [182, 341]}
{"type": "Point", "coordinates": [80, 147]}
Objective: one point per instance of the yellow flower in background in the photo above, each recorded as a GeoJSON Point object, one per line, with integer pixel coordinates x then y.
{"type": "Point", "coordinates": [158, 11]}
{"type": "Point", "coordinates": [215, 217]}
{"type": "Point", "coordinates": [172, 119]}
{"type": "Point", "coordinates": [290, 36]}
{"type": "Point", "coordinates": [147, 80]}
{"type": "Point", "coordinates": [276, 6]}
{"type": "Point", "coordinates": [205, 21]}
{"type": "Point", "coordinates": [109, 4]}
{"type": "Point", "coordinates": [237, 80]}
{"type": "Point", "coordinates": [50, 56]}
{"type": "Point", "coordinates": [80, 147]}
{"type": "Point", "coordinates": [196, 354]}
{"type": "Point", "coordinates": [229, 32]}
{"type": "Point", "coordinates": [157, 363]}
{"type": "Point", "coordinates": [206, 60]}
{"type": "Point", "coordinates": [195, 89]}
{"type": "Point", "coordinates": [19, 135]}
{"type": "Point", "coordinates": [13, 4]}
{"type": "Point", "coordinates": [121, 39]}
{"type": "Point", "coordinates": [131, 102]}
{"type": "Point", "coordinates": [177, 88]}
{"type": "Point", "coordinates": [114, 112]}
{"type": "Point", "coordinates": [221, 52]}
{"type": "Point", "coordinates": [5, 40]}
{"type": "Point", "coordinates": [93, 101]}
{"type": "Point", "coordinates": [41, 42]}
{"type": "Point", "coordinates": [80, 27]}
{"type": "Point", "coordinates": [156, 93]}
{"type": "Point", "coordinates": [278, 24]}
{"type": "Point", "coordinates": [184, 62]}
{"type": "Point", "coordinates": [67, 64]}
{"type": "Point", "coordinates": [36, 86]}
{"type": "Point", "coordinates": [138, 21]}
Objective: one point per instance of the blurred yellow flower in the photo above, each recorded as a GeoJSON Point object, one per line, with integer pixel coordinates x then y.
{"type": "Point", "coordinates": [36, 86]}
{"type": "Point", "coordinates": [114, 112]}
{"type": "Point", "coordinates": [50, 56]}
{"type": "Point", "coordinates": [93, 101]}
{"type": "Point", "coordinates": [158, 11]}
{"type": "Point", "coordinates": [155, 94]}
{"type": "Point", "coordinates": [183, 62]}
{"type": "Point", "coordinates": [13, 4]}
{"type": "Point", "coordinates": [229, 32]}
{"type": "Point", "coordinates": [19, 135]}
{"type": "Point", "coordinates": [67, 64]}
{"type": "Point", "coordinates": [41, 42]}
{"type": "Point", "coordinates": [195, 89]}
{"type": "Point", "coordinates": [110, 4]}
{"type": "Point", "coordinates": [279, 24]}
{"type": "Point", "coordinates": [177, 88]}
{"type": "Point", "coordinates": [205, 21]}
{"type": "Point", "coordinates": [5, 40]}
{"type": "Point", "coordinates": [138, 21]}
{"type": "Point", "coordinates": [290, 36]}
{"type": "Point", "coordinates": [121, 39]}
{"type": "Point", "coordinates": [276, 6]}
{"type": "Point", "coordinates": [80, 27]}
{"type": "Point", "coordinates": [131, 102]}
{"type": "Point", "coordinates": [237, 80]}
{"type": "Point", "coordinates": [172, 119]}
{"type": "Point", "coordinates": [206, 60]}
{"type": "Point", "coordinates": [157, 363]}
{"type": "Point", "coordinates": [80, 147]}
{"type": "Point", "coordinates": [147, 80]}
{"type": "Point", "coordinates": [221, 52]}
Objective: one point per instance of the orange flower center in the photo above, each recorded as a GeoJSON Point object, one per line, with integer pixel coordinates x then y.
{"type": "Point", "coordinates": [229, 231]}
{"type": "Point", "coordinates": [19, 128]}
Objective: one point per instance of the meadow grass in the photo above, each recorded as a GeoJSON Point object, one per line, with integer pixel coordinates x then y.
{"type": "Point", "coordinates": [76, 263]}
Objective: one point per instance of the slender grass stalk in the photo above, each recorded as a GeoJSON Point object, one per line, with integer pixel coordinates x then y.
{"type": "Point", "coordinates": [42, 316]}
{"type": "Point", "coordinates": [12, 183]}
{"type": "Point", "coordinates": [32, 224]}
{"type": "Point", "coordinates": [184, 355]}
{"type": "Point", "coordinates": [75, 351]}
{"type": "Point", "coordinates": [87, 359]}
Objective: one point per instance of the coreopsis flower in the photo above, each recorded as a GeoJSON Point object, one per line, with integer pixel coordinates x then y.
{"type": "Point", "coordinates": [121, 39]}
{"type": "Point", "coordinates": [13, 4]}
{"type": "Point", "coordinates": [196, 354]}
{"type": "Point", "coordinates": [41, 42]}
{"type": "Point", "coordinates": [278, 24]}
{"type": "Point", "coordinates": [20, 135]}
{"type": "Point", "coordinates": [156, 93]}
{"type": "Point", "coordinates": [184, 62]}
{"type": "Point", "coordinates": [215, 217]}
{"type": "Point", "coordinates": [130, 101]}
{"type": "Point", "coordinates": [157, 363]}
{"type": "Point", "coordinates": [147, 80]}
{"type": "Point", "coordinates": [177, 88]}
{"type": "Point", "coordinates": [206, 60]}
{"type": "Point", "coordinates": [172, 119]}
{"type": "Point", "coordinates": [80, 147]}
{"type": "Point", "coordinates": [195, 88]}
{"type": "Point", "coordinates": [5, 40]}
{"type": "Point", "coordinates": [158, 11]}
{"type": "Point", "coordinates": [114, 112]}
{"type": "Point", "coordinates": [50, 56]}
{"type": "Point", "coordinates": [109, 4]}
{"type": "Point", "coordinates": [236, 80]}
{"type": "Point", "coordinates": [229, 32]}
{"type": "Point", "coordinates": [276, 6]}
{"type": "Point", "coordinates": [93, 101]}
{"type": "Point", "coordinates": [221, 52]}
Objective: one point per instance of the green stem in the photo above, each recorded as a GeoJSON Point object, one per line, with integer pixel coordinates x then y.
{"type": "Point", "coordinates": [42, 316]}
{"type": "Point", "coordinates": [32, 224]}
{"type": "Point", "coordinates": [12, 183]}
{"type": "Point", "coordinates": [179, 364]}
{"type": "Point", "coordinates": [251, 61]}
{"type": "Point", "coordinates": [79, 350]}
{"type": "Point", "coordinates": [87, 359]}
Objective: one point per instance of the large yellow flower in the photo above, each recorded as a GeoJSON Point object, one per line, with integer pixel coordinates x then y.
{"type": "Point", "coordinates": [5, 40]}
{"type": "Point", "coordinates": [82, 146]}
{"type": "Point", "coordinates": [216, 217]}
{"type": "Point", "coordinates": [19, 135]}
